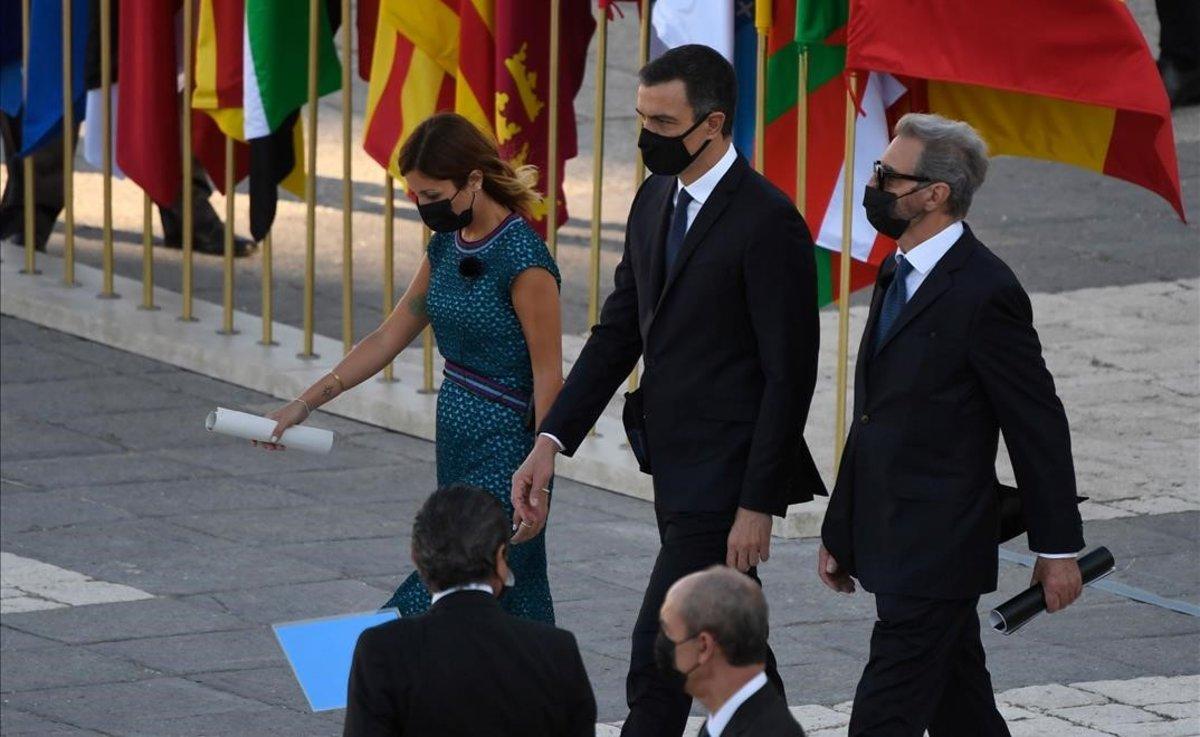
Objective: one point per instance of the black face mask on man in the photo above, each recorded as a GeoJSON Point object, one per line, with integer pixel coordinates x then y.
{"type": "Point", "coordinates": [881, 210]}
{"type": "Point", "coordinates": [667, 154]}
{"type": "Point", "coordinates": [664, 658]}
{"type": "Point", "coordinates": [440, 216]}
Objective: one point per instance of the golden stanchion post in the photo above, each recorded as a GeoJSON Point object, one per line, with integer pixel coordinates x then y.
{"type": "Point", "coordinates": [147, 254]}
{"type": "Point", "coordinates": [844, 274]}
{"type": "Point", "coordinates": [427, 334]}
{"type": "Point", "coordinates": [347, 191]}
{"type": "Point", "coordinates": [598, 166]}
{"type": "Point", "coordinates": [27, 162]}
{"type": "Point", "coordinates": [310, 183]}
{"type": "Point", "coordinates": [268, 297]}
{"type": "Point", "coordinates": [389, 258]}
{"type": "Point", "coordinates": [106, 123]}
{"type": "Point", "coordinates": [762, 23]}
{"type": "Point", "coordinates": [68, 130]}
{"type": "Point", "coordinates": [802, 131]}
{"type": "Point", "coordinates": [227, 266]}
{"type": "Point", "coordinates": [186, 152]}
{"type": "Point", "coordinates": [639, 168]}
{"type": "Point", "coordinates": [552, 137]}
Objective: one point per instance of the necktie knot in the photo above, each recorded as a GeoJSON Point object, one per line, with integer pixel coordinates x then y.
{"type": "Point", "coordinates": [685, 199]}
{"type": "Point", "coordinates": [904, 267]}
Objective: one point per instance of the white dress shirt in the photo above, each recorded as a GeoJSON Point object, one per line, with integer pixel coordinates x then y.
{"type": "Point", "coordinates": [719, 719]}
{"type": "Point", "coordinates": [465, 587]}
{"type": "Point", "coordinates": [700, 190]}
{"type": "Point", "coordinates": [923, 257]}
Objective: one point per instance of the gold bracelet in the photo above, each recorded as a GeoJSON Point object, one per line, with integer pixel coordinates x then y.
{"type": "Point", "coordinates": [341, 384]}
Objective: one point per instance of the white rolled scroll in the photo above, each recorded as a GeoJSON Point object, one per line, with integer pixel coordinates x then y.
{"type": "Point", "coordinates": [254, 427]}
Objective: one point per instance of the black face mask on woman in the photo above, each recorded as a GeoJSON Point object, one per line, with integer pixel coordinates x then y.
{"type": "Point", "coordinates": [667, 154]}
{"type": "Point", "coordinates": [881, 211]}
{"type": "Point", "coordinates": [440, 216]}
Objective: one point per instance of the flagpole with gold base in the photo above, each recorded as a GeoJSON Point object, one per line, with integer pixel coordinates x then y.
{"type": "Point", "coordinates": [597, 166]}
{"type": "Point", "coordinates": [802, 131]}
{"type": "Point", "coordinates": [186, 136]}
{"type": "Point", "coordinates": [27, 161]}
{"type": "Point", "coordinates": [106, 290]}
{"type": "Point", "coordinates": [552, 137]}
{"type": "Point", "coordinates": [310, 183]}
{"type": "Point", "coordinates": [639, 168]}
{"type": "Point", "coordinates": [268, 294]}
{"type": "Point", "coordinates": [762, 23]}
{"type": "Point", "coordinates": [347, 191]}
{"type": "Point", "coordinates": [843, 359]}
{"type": "Point", "coordinates": [389, 259]}
{"type": "Point", "coordinates": [147, 254]}
{"type": "Point", "coordinates": [227, 264]}
{"type": "Point", "coordinates": [68, 134]}
{"type": "Point", "coordinates": [426, 335]}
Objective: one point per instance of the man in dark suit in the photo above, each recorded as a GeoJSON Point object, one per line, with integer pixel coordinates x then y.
{"type": "Point", "coordinates": [716, 290]}
{"type": "Point", "coordinates": [948, 360]}
{"type": "Point", "coordinates": [713, 639]}
{"type": "Point", "coordinates": [466, 667]}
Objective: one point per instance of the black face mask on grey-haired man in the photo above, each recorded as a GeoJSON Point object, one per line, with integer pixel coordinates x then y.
{"type": "Point", "coordinates": [949, 359]}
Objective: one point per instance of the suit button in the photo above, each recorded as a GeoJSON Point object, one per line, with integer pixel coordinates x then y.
{"type": "Point", "coordinates": [865, 419]}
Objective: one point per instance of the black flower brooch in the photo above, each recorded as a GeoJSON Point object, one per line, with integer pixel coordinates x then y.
{"type": "Point", "coordinates": [470, 267]}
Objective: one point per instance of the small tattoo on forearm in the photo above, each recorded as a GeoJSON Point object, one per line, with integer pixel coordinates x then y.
{"type": "Point", "coordinates": [416, 305]}
{"type": "Point", "coordinates": [327, 392]}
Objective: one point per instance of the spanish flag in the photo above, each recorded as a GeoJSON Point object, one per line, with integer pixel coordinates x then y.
{"type": "Point", "coordinates": [1070, 81]}
{"type": "Point", "coordinates": [406, 86]}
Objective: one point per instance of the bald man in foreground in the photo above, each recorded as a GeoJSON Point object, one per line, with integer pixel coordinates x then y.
{"type": "Point", "coordinates": [712, 643]}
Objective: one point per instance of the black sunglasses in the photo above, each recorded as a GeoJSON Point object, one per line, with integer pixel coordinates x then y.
{"type": "Point", "coordinates": [883, 173]}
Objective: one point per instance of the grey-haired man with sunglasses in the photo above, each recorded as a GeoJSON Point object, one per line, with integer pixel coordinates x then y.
{"type": "Point", "coordinates": [949, 359]}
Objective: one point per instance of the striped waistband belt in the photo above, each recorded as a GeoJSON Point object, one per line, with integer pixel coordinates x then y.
{"type": "Point", "coordinates": [485, 387]}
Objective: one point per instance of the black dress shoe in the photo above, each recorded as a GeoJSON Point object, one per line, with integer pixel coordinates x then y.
{"type": "Point", "coordinates": [213, 246]}
{"type": "Point", "coordinates": [1183, 86]}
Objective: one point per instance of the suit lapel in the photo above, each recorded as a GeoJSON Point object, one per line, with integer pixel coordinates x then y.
{"type": "Point", "coordinates": [659, 209]}
{"type": "Point", "coordinates": [887, 272]}
{"type": "Point", "coordinates": [938, 281]}
{"type": "Point", "coordinates": [709, 213]}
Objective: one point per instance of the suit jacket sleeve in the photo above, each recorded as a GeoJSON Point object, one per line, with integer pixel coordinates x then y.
{"type": "Point", "coordinates": [611, 352]}
{"type": "Point", "coordinates": [1007, 356]}
{"type": "Point", "coordinates": [581, 708]}
{"type": "Point", "coordinates": [371, 710]}
{"type": "Point", "coordinates": [781, 294]}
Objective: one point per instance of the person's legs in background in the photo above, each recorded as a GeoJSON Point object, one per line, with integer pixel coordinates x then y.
{"type": "Point", "coordinates": [1179, 50]}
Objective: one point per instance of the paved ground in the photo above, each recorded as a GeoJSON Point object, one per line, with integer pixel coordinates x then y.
{"type": "Point", "coordinates": [107, 473]}
{"type": "Point", "coordinates": [144, 559]}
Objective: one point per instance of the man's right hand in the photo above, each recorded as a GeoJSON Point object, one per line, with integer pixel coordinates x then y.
{"type": "Point", "coordinates": [834, 576]}
{"type": "Point", "coordinates": [529, 484]}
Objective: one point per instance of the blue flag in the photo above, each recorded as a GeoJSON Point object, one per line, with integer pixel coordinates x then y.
{"type": "Point", "coordinates": [745, 65]}
{"type": "Point", "coordinates": [42, 119]}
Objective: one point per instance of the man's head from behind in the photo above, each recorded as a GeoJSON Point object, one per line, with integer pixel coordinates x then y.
{"type": "Point", "coordinates": [460, 536]}
{"type": "Point", "coordinates": [713, 622]}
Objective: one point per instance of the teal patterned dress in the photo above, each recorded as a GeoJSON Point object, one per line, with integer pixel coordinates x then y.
{"type": "Point", "coordinates": [479, 441]}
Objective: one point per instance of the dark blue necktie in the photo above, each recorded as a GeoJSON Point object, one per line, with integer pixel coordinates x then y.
{"type": "Point", "coordinates": [894, 300]}
{"type": "Point", "coordinates": [679, 226]}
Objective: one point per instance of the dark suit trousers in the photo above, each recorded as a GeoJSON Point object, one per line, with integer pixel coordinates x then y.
{"type": "Point", "coordinates": [691, 541]}
{"type": "Point", "coordinates": [926, 671]}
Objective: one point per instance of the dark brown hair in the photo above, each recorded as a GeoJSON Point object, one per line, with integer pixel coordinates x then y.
{"type": "Point", "coordinates": [448, 146]}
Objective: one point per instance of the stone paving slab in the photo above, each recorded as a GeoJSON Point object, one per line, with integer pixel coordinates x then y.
{"type": "Point", "coordinates": [201, 540]}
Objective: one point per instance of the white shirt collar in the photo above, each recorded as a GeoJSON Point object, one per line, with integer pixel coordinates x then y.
{"type": "Point", "coordinates": [925, 255]}
{"type": "Point", "coordinates": [718, 720]}
{"type": "Point", "coordinates": [704, 186]}
{"type": "Point", "coordinates": [465, 587]}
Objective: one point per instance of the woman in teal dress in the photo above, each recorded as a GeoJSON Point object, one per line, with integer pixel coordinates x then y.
{"type": "Point", "coordinates": [489, 288]}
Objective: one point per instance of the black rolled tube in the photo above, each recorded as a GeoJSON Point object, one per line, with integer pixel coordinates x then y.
{"type": "Point", "coordinates": [1015, 613]}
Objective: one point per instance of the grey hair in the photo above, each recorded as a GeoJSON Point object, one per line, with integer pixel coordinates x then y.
{"type": "Point", "coordinates": [954, 153]}
{"type": "Point", "coordinates": [456, 535]}
{"type": "Point", "coordinates": [731, 607]}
